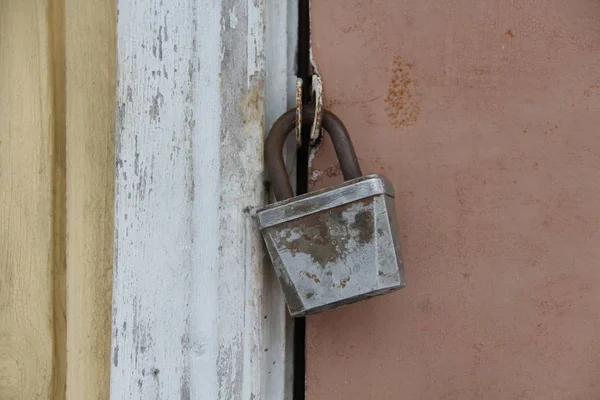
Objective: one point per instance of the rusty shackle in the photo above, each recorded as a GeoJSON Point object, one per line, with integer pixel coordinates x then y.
{"type": "Point", "coordinates": [284, 126]}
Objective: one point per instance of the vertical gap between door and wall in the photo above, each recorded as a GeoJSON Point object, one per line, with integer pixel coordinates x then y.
{"type": "Point", "coordinates": [302, 165]}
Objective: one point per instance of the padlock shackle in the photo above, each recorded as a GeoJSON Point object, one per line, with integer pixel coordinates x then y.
{"type": "Point", "coordinates": [275, 165]}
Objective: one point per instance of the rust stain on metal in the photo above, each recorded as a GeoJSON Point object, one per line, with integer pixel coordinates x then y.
{"type": "Point", "coordinates": [327, 236]}
{"type": "Point", "coordinates": [344, 282]}
{"type": "Point", "coordinates": [401, 106]}
{"type": "Point", "coordinates": [312, 277]}
{"type": "Point", "coordinates": [299, 112]}
{"type": "Point", "coordinates": [363, 223]}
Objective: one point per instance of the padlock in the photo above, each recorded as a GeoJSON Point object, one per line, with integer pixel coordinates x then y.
{"type": "Point", "coordinates": [335, 246]}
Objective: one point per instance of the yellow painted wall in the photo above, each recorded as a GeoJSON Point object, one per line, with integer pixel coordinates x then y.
{"type": "Point", "coordinates": [57, 98]}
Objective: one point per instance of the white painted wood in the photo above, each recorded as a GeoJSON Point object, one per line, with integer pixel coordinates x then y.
{"type": "Point", "coordinates": [280, 93]}
{"type": "Point", "coordinates": [195, 314]}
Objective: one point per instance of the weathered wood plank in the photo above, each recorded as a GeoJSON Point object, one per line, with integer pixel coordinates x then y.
{"type": "Point", "coordinates": [59, 204]}
{"type": "Point", "coordinates": [189, 286]}
{"type": "Point", "coordinates": [90, 85]}
{"type": "Point", "coordinates": [56, 202]}
{"type": "Point", "coordinates": [26, 259]}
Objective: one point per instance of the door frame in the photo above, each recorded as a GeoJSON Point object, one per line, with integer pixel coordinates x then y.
{"type": "Point", "coordinates": [197, 311]}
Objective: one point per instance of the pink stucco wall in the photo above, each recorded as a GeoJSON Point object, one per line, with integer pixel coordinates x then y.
{"type": "Point", "coordinates": [486, 117]}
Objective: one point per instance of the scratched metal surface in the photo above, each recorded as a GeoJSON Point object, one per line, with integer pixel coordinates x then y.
{"type": "Point", "coordinates": [338, 255]}
{"type": "Point", "coordinates": [349, 191]}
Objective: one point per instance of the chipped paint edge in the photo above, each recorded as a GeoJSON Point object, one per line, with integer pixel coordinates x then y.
{"type": "Point", "coordinates": [316, 134]}
{"type": "Point", "coordinates": [280, 95]}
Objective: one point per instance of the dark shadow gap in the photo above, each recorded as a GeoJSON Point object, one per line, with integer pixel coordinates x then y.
{"type": "Point", "coordinates": [303, 71]}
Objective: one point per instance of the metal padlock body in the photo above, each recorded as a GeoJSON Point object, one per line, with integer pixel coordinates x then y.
{"type": "Point", "coordinates": [335, 246]}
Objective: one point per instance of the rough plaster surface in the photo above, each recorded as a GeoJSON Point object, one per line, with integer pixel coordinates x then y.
{"type": "Point", "coordinates": [485, 116]}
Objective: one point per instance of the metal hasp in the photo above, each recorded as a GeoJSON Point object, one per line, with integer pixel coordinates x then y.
{"type": "Point", "coordinates": [335, 246]}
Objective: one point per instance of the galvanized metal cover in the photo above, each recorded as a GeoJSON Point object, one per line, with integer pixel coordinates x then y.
{"type": "Point", "coordinates": [349, 191]}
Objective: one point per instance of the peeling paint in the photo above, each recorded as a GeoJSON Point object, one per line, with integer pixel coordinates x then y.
{"type": "Point", "coordinates": [233, 21]}
{"type": "Point", "coordinates": [157, 102]}
{"type": "Point", "coordinates": [116, 356]}
{"type": "Point", "coordinates": [192, 130]}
